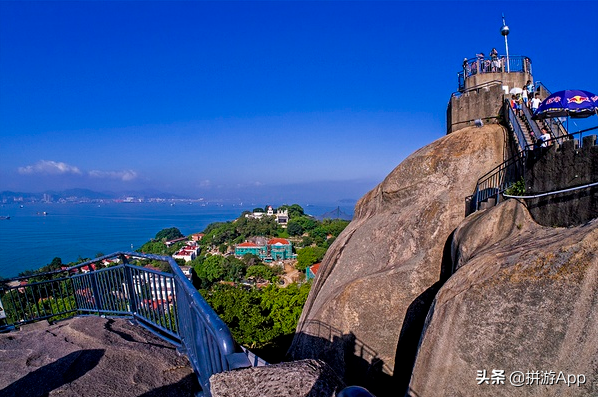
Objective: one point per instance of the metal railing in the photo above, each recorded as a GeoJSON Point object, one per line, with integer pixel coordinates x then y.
{"type": "Point", "coordinates": [166, 304]}
{"type": "Point", "coordinates": [500, 64]}
{"type": "Point", "coordinates": [513, 124]}
{"type": "Point", "coordinates": [495, 182]}
{"type": "Point", "coordinates": [535, 131]}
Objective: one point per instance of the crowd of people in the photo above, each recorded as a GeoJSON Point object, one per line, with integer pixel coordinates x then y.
{"type": "Point", "coordinates": [526, 97]}
{"type": "Point", "coordinates": [492, 64]}
{"type": "Point", "coordinates": [523, 99]}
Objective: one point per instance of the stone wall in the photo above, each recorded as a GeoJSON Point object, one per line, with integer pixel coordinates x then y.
{"type": "Point", "coordinates": [482, 99]}
{"type": "Point", "coordinates": [561, 167]}
{"type": "Point", "coordinates": [482, 103]}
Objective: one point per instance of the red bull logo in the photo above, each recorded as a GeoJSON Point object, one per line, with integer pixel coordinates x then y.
{"type": "Point", "coordinates": [578, 99]}
{"type": "Point", "coordinates": [553, 100]}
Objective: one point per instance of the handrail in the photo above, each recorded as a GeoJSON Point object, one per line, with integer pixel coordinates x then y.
{"type": "Point", "coordinates": [498, 64]}
{"type": "Point", "coordinates": [533, 125]}
{"type": "Point", "coordinates": [514, 124]}
{"type": "Point", "coordinates": [572, 189]}
{"type": "Point", "coordinates": [164, 303]}
{"type": "Point", "coordinates": [495, 182]}
{"type": "Point", "coordinates": [477, 87]}
{"type": "Point", "coordinates": [500, 178]}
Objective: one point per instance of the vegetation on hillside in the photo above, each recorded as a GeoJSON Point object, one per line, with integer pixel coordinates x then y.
{"type": "Point", "coordinates": [263, 319]}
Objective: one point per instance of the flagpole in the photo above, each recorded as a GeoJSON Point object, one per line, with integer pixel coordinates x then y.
{"type": "Point", "coordinates": [505, 32]}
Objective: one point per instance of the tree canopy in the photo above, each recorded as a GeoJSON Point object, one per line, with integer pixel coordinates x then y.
{"type": "Point", "coordinates": [169, 234]}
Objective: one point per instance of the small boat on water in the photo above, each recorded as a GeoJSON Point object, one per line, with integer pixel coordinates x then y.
{"type": "Point", "coordinates": [4, 217]}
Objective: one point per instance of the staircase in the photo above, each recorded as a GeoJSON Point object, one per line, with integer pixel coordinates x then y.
{"type": "Point", "coordinates": [526, 129]}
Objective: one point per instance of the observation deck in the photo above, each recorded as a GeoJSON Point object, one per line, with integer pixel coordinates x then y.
{"type": "Point", "coordinates": [482, 85]}
{"type": "Point", "coordinates": [512, 72]}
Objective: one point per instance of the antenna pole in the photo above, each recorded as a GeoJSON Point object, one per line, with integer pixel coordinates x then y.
{"type": "Point", "coordinates": [505, 32]}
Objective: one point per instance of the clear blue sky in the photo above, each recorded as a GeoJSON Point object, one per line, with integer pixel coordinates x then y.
{"type": "Point", "coordinates": [278, 101]}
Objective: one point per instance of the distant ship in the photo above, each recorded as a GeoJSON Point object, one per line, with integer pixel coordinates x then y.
{"type": "Point", "coordinates": [4, 217]}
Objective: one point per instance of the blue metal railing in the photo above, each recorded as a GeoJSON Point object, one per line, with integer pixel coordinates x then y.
{"type": "Point", "coordinates": [164, 303]}
{"type": "Point", "coordinates": [515, 127]}
{"type": "Point", "coordinates": [500, 64]}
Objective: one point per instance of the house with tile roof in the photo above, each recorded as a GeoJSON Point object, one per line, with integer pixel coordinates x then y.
{"type": "Point", "coordinates": [280, 249]}
{"type": "Point", "coordinates": [311, 271]}
{"type": "Point", "coordinates": [249, 247]}
{"type": "Point", "coordinates": [274, 249]}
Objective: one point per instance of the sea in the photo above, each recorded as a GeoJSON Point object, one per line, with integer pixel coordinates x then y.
{"type": "Point", "coordinates": [38, 232]}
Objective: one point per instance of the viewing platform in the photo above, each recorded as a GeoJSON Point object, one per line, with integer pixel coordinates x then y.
{"type": "Point", "coordinates": [482, 85]}
{"type": "Point", "coordinates": [514, 71]}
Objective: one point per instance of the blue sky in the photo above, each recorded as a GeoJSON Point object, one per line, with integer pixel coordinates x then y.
{"type": "Point", "coordinates": [281, 100]}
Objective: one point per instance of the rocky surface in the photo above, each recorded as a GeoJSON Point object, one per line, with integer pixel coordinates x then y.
{"type": "Point", "coordinates": [303, 378]}
{"type": "Point", "coordinates": [91, 356]}
{"type": "Point", "coordinates": [524, 298]}
{"type": "Point", "coordinates": [367, 307]}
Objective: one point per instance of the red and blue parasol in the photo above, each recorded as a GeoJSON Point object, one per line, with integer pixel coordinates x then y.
{"type": "Point", "coordinates": [571, 103]}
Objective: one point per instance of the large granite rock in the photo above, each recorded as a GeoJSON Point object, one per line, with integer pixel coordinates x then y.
{"type": "Point", "coordinates": [303, 378]}
{"type": "Point", "coordinates": [524, 298]}
{"type": "Point", "coordinates": [367, 307]}
{"type": "Point", "coordinates": [93, 357]}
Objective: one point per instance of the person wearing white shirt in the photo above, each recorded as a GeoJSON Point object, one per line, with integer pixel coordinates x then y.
{"type": "Point", "coordinates": [544, 138]}
{"type": "Point", "coordinates": [535, 102]}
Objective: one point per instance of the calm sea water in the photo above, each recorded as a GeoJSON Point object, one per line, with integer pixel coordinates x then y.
{"type": "Point", "coordinates": [30, 240]}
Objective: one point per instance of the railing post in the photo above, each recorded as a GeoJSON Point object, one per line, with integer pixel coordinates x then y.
{"type": "Point", "coordinates": [130, 286]}
{"type": "Point", "coordinates": [95, 290]}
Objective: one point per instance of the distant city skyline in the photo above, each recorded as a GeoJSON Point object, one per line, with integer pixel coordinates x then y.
{"type": "Point", "coordinates": [267, 101]}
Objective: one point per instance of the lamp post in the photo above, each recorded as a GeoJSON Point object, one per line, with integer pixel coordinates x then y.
{"type": "Point", "coordinates": [505, 32]}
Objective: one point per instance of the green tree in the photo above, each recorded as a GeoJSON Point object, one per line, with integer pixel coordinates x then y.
{"type": "Point", "coordinates": [294, 228]}
{"type": "Point", "coordinates": [284, 306]}
{"type": "Point", "coordinates": [334, 226]}
{"type": "Point", "coordinates": [307, 241]}
{"type": "Point", "coordinates": [210, 270]}
{"type": "Point", "coordinates": [234, 269]}
{"type": "Point", "coordinates": [251, 260]}
{"type": "Point", "coordinates": [261, 273]}
{"type": "Point", "coordinates": [169, 234]}
{"type": "Point", "coordinates": [295, 210]}
{"type": "Point", "coordinates": [308, 256]}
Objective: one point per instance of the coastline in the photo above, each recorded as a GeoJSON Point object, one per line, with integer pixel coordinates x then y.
{"type": "Point", "coordinates": [30, 240]}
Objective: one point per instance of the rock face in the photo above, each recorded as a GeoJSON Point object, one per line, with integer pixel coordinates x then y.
{"type": "Point", "coordinates": [93, 357]}
{"type": "Point", "coordinates": [524, 298]}
{"type": "Point", "coordinates": [366, 309]}
{"type": "Point", "coordinates": [303, 378]}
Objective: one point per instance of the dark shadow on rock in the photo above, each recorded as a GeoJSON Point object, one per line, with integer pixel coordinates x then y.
{"type": "Point", "coordinates": [65, 370]}
{"type": "Point", "coordinates": [355, 363]}
{"type": "Point", "coordinates": [275, 352]}
{"type": "Point", "coordinates": [130, 338]}
{"type": "Point", "coordinates": [413, 324]}
{"type": "Point", "coordinates": [359, 365]}
{"type": "Point", "coordinates": [188, 386]}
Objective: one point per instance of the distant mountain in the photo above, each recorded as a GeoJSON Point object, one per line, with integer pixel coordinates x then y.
{"type": "Point", "coordinates": [83, 194]}
{"type": "Point", "coordinates": [335, 214]}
